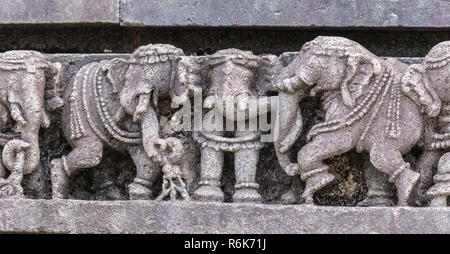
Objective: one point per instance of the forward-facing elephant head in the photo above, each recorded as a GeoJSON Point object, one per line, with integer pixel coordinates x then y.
{"type": "Point", "coordinates": [28, 86]}
{"type": "Point", "coordinates": [238, 80]}
{"type": "Point", "coordinates": [231, 75]}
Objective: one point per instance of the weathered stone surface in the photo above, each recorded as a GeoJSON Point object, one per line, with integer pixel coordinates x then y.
{"type": "Point", "coordinates": [75, 216]}
{"type": "Point", "coordinates": [59, 12]}
{"type": "Point", "coordinates": [286, 13]}
{"type": "Point", "coordinates": [205, 13]}
{"type": "Point", "coordinates": [73, 62]}
{"type": "Point", "coordinates": [109, 179]}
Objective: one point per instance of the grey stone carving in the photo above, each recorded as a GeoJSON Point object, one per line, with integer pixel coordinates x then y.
{"type": "Point", "coordinates": [365, 109]}
{"type": "Point", "coordinates": [441, 189]}
{"type": "Point", "coordinates": [113, 103]}
{"type": "Point", "coordinates": [13, 158]}
{"type": "Point", "coordinates": [170, 152]}
{"type": "Point", "coordinates": [29, 87]}
{"type": "Point", "coordinates": [427, 84]}
{"type": "Point", "coordinates": [371, 104]}
{"type": "Point", "coordinates": [236, 79]}
{"type": "Point", "coordinates": [380, 190]}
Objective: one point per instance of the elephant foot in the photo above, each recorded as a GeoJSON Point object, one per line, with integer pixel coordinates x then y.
{"type": "Point", "coordinates": [439, 201]}
{"type": "Point", "coordinates": [293, 195]}
{"type": "Point", "coordinates": [421, 199]}
{"type": "Point", "coordinates": [405, 184]}
{"type": "Point", "coordinates": [315, 183]}
{"type": "Point", "coordinates": [289, 197]}
{"type": "Point", "coordinates": [138, 191]}
{"type": "Point", "coordinates": [247, 195]}
{"type": "Point", "coordinates": [377, 201]}
{"type": "Point", "coordinates": [59, 179]}
{"type": "Point", "coordinates": [209, 193]}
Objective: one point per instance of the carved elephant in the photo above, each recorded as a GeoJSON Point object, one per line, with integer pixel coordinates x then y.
{"type": "Point", "coordinates": [236, 81]}
{"type": "Point", "coordinates": [113, 103]}
{"type": "Point", "coordinates": [428, 84]}
{"type": "Point", "coordinates": [365, 109]}
{"type": "Point", "coordinates": [29, 85]}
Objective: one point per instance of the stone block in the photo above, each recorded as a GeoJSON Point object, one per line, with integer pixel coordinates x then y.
{"type": "Point", "coordinates": [76, 216]}
{"type": "Point", "coordinates": [59, 12]}
{"type": "Point", "coordinates": [286, 13]}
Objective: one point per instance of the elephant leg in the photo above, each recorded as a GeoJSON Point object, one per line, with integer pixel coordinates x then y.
{"type": "Point", "coordinates": [147, 172]}
{"type": "Point", "coordinates": [380, 190]}
{"type": "Point", "coordinates": [391, 162]}
{"type": "Point", "coordinates": [210, 175]}
{"type": "Point", "coordinates": [245, 165]}
{"type": "Point", "coordinates": [311, 157]}
{"type": "Point", "coordinates": [87, 153]}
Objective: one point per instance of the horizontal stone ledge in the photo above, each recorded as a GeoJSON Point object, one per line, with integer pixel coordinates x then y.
{"type": "Point", "coordinates": [231, 13]}
{"type": "Point", "coordinates": [76, 216]}
{"type": "Point", "coordinates": [59, 12]}
{"type": "Point", "coordinates": [286, 13]}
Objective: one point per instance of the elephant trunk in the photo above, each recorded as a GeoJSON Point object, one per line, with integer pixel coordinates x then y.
{"type": "Point", "coordinates": [150, 132]}
{"type": "Point", "coordinates": [13, 155]}
{"type": "Point", "coordinates": [290, 125]}
{"type": "Point", "coordinates": [33, 112]}
{"type": "Point", "coordinates": [30, 135]}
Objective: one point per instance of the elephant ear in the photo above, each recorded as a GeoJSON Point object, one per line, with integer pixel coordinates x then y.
{"type": "Point", "coordinates": [54, 79]}
{"type": "Point", "coordinates": [189, 77]}
{"type": "Point", "coordinates": [116, 73]}
{"type": "Point", "coordinates": [412, 76]}
{"type": "Point", "coordinates": [354, 68]}
{"type": "Point", "coordinates": [418, 87]}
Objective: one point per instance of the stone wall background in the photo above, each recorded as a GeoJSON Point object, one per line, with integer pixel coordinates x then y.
{"type": "Point", "coordinates": [390, 29]}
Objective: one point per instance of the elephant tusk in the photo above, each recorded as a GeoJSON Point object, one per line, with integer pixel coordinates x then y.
{"type": "Point", "coordinates": [141, 108]}
{"type": "Point", "coordinates": [45, 120]}
{"type": "Point", "coordinates": [16, 114]}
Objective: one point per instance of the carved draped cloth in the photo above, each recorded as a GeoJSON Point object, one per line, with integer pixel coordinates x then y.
{"type": "Point", "coordinates": [93, 101]}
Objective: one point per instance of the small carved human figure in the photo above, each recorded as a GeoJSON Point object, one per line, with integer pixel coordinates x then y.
{"type": "Point", "coordinates": [29, 86]}
{"type": "Point", "coordinates": [234, 77]}
{"type": "Point", "coordinates": [365, 109]}
{"type": "Point", "coordinates": [113, 103]}
{"type": "Point", "coordinates": [170, 151]}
